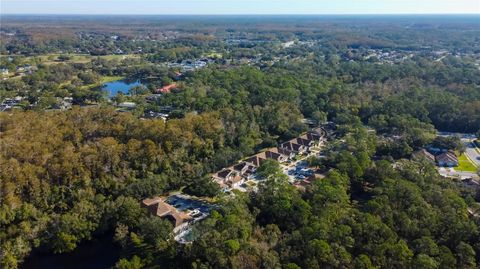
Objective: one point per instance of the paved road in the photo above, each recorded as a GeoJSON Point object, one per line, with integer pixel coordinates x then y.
{"type": "Point", "coordinates": [472, 153]}
{"type": "Point", "coordinates": [450, 172]}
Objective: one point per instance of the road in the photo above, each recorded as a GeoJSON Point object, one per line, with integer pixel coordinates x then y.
{"type": "Point", "coordinates": [471, 152]}
{"type": "Point", "coordinates": [450, 172]}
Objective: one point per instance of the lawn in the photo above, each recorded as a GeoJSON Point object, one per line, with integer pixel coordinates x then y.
{"type": "Point", "coordinates": [465, 165]}
{"type": "Point", "coordinates": [215, 55]}
{"type": "Point", "coordinates": [52, 58]}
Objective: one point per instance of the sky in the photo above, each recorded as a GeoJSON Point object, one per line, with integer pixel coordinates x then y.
{"type": "Point", "coordinates": [171, 7]}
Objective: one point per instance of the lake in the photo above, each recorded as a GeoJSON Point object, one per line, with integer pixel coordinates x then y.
{"type": "Point", "coordinates": [123, 86]}
{"type": "Point", "coordinates": [99, 253]}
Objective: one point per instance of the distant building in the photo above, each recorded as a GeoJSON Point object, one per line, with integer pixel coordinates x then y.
{"type": "Point", "coordinates": [166, 89]}
{"type": "Point", "coordinates": [448, 159]}
{"type": "Point", "coordinates": [423, 154]}
{"type": "Point", "coordinates": [228, 177]}
{"type": "Point", "coordinates": [155, 115]}
{"type": "Point", "coordinates": [129, 105]}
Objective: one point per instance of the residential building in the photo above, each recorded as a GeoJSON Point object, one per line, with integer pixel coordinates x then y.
{"type": "Point", "coordinates": [245, 169]}
{"type": "Point", "coordinates": [274, 154]}
{"type": "Point", "coordinates": [304, 142]}
{"type": "Point", "coordinates": [294, 147]}
{"type": "Point", "coordinates": [166, 89]}
{"type": "Point", "coordinates": [228, 177]}
{"type": "Point", "coordinates": [423, 154]}
{"type": "Point", "coordinates": [255, 160]}
{"type": "Point", "coordinates": [128, 105]}
{"type": "Point", "coordinates": [158, 207]}
{"type": "Point", "coordinates": [448, 159]}
{"type": "Point", "coordinates": [290, 154]}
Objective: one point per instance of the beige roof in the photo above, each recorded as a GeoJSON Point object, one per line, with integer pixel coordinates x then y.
{"type": "Point", "coordinates": [157, 206]}
{"type": "Point", "coordinates": [151, 201]}
{"type": "Point", "coordinates": [447, 157]}
{"type": "Point", "coordinates": [422, 153]}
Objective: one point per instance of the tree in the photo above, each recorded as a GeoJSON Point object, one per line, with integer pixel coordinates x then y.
{"type": "Point", "coordinates": [134, 263]}
{"type": "Point", "coordinates": [203, 186]}
{"type": "Point", "coordinates": [319, 117]}
{"type": "Point", "coordinates": [363, 262]}
{"type": "Point", "coordinates": [465, 256]}
{"type": "Point", "coordinates": [320, 253]}
{"type": "Point", "coordinates": [425, 262]}
{"type": "Point", "coordinates": [269, 168]}
{"type": "Point", "coordinates": [449, 143]}
{"type": "Point", "coordinates": [64, 242]}
{"type": "Point", "coordinates": [156, 232]}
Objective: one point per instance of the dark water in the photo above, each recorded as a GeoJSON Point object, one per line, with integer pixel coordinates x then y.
{"type": "Point", "coordinates": [99, 253]}
{"type": "Point", "coordinates": [114, 87]}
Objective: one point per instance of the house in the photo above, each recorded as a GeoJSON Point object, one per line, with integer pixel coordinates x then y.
{"type": "Point", "coordinates": [276, 156]}
{"type": "Point", "coordinates": [158, 207]}
{"type": "Point", "coordinates": [178, 76]}
{"type": "Point", "coordinates": [226, 174]}
{"type": "Point", "coordinates": [290, 154]}
{"type": "Point", "coordinates": [423, 154]}
{"type": "Point", "coordinates": [166, 89]}
{"type": "Point", "coordinates": [129, 105]}
{"type": "Point", "coordinates": [316, 135]}
{"type": "Point", "coordinates": [294, 147]}
{"type": "Point", "coordinates": [255, 160]}
{"type": "Point", "coordinates": [155, 115]}
{"type": "Point", "coordinates": [447, 159]}
{"type": "Point", "coordinates": [236, 181]}
{"type": "Point", "coordinates": [304, 142]}
{"type": "Point", "coordinates": [244, 169]}
{"type": "Point", "coordinates": [228, 177]}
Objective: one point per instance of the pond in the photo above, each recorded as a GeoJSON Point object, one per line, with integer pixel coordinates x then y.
{"type": "Point", "coordinates": [100, 253]}
{"type": "Point", "coordinates": [123, 86]}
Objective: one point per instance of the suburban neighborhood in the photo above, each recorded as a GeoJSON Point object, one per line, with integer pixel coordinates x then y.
{"type": "Point", "coordinates": [289, 154]}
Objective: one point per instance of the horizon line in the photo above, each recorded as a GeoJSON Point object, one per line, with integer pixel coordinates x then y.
{"type": "Point", "coordinates": [232, 14]}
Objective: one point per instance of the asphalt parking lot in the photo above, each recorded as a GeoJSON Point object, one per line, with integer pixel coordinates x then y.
{"type": "Point", "coordinates": [298, 171]}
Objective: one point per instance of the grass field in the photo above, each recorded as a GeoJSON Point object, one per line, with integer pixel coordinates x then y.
{"type": "Point", "coordinates": [214, 55]}
{"type": "Point", "coordinates": [465, 165]}
{"type": "Point", "coordinates": [52, 58]}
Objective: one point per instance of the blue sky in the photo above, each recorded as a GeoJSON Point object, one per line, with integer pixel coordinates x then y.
{"type": "Point", "coordinates": [239, 6]}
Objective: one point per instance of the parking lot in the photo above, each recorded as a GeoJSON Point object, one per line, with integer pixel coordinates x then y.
{"type": "Point", "coordinates": [297, 171]}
